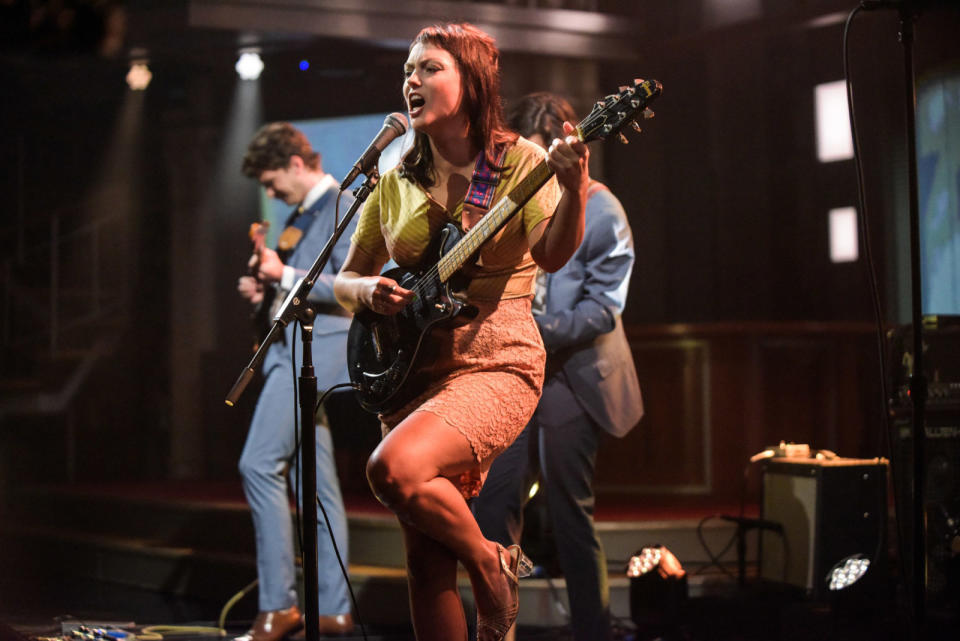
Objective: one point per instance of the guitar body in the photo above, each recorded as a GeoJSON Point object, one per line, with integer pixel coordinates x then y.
{"type": "Point", "coordinates": [382, 350]}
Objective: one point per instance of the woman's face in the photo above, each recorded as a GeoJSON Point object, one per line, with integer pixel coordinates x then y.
{"type": "Point", "coordinates": [432, 88]}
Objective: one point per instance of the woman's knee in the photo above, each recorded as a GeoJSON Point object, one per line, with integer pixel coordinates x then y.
{"type": "Point", "coordinates": [389, 480]}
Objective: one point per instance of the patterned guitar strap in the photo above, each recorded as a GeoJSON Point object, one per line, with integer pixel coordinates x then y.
{"type": "Point", "coordinates": [296, 227]}
{"type": "Point", "coordinates": [482, 186]}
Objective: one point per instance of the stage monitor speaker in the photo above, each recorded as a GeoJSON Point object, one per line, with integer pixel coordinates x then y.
{"type": "Point", "coordinates": [829, 510]}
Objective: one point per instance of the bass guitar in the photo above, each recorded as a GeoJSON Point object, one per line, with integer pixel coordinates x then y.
{"type": "Point", "coordinates": [382, 350]}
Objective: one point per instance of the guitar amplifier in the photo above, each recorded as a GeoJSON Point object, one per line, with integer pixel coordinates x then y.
{"type": "Point", "coordinates": [829, 509]}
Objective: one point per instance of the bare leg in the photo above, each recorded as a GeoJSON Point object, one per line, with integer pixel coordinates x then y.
{"type": "Point", "coordinates": [407, 473]}
{"type": "Point", "coordinates": [432, 578]}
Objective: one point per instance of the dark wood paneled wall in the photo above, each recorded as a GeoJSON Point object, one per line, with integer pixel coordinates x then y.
{"type": "Point", "coordinates": [717, 393]}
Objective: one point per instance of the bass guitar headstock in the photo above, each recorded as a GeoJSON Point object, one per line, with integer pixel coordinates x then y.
{"type": "Point", "coordinates": [614, 112]}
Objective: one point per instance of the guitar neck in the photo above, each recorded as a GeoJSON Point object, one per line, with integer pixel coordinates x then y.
{"type": "Point", "coordinates": [492, 220]}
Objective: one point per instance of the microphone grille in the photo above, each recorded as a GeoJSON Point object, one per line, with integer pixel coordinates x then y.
{"type": "Point", "coordinates": [398, 121]}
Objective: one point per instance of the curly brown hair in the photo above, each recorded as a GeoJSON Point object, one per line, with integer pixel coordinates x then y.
{"type": "Point", "coordinates": [273, 146]}
{"type": "Point", "coordinates": [478, 61]}
{"type": "Point", "coordinates": [541, 113]}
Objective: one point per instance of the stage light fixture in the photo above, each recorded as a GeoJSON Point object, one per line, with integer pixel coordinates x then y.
{"type": "Point", "coordinates": [139, 76]}
{"type": "Point", "coordinates": [304, 65]}
{"type": "Point", "coordinates": [847, 572]}
{"type": "Point", "coordinates": [658, 589]}
{"type": "Point", "coordinates": [655, 557]}
{"type": "Point", "coordinates": [249, 65]}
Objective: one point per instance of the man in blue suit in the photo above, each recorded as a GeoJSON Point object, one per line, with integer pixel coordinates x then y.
{"type": "Point", "coordinates": [281, 159]}
{"type": "Point", "coordinates": [591, 387]}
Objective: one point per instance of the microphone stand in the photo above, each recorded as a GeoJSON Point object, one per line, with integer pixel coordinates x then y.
{"type": "Point", "coordinates": [918, 381]}
{"type": "Point", "coordinates": [296, 307]}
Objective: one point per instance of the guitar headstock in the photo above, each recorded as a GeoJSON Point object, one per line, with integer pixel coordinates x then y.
{"type": "Point", "coordinates": [258, 235]}
{"type": "Point", "coordinates": [610, 115]}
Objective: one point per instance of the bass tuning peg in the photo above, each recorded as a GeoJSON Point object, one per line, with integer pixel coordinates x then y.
{"type": "Point", "coordinates": [623, 138]}
{"type": "Point", "coordinates": [636, 127]}
{"type": "Point", "coordinates": [647, 113]}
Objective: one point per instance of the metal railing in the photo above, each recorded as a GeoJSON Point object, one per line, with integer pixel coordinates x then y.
{"type": "Point", "coordinates": [66, 282]}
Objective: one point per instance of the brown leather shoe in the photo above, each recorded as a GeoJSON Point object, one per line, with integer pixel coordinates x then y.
{"type": "Point", "coordinates": [274, 625]}
{"type": "Point", "coordinates": [330, 625]}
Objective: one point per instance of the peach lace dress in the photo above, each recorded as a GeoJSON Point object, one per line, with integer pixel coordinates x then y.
{"type": "Point", "coordinates": [484, 374]}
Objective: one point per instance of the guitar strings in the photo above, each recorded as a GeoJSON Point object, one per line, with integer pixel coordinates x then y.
{"type": "Point", "coordinates": [486, 222]}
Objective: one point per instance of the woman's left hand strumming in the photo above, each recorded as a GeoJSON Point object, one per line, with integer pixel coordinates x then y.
{"type": "Point", "coordinates": [383, 295]}
{"type": "Point", "coordinates": [568, 159]}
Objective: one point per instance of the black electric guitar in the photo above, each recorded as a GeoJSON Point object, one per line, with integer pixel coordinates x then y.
{"type": "Point", "coordinates": [381, 350]}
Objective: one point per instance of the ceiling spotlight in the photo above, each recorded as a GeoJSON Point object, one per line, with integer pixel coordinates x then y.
{"type": "Point", "coordinates": [249, 65]}
{"type": "Point", "coordinates": [304, 65]}
{"type": "Point", "coordinates": [139, 75]}
{"type": "Point", "coordinates": [847, 572]}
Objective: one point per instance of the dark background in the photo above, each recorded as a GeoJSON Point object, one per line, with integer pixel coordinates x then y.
{"type": "Point", "coordinates": [726, 197]}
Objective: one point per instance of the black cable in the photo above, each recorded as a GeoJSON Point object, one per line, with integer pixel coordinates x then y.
{"type": "Point", "coordinates": [864, 223]}
{"type": "Point", "coordinates": [714, 558]}
{"type": "Point", "coordinates": [887, 445]}
{"type": "Point", "coordinates": [291, 460]}
{"type": "Point", "coordinates": [343, 569]}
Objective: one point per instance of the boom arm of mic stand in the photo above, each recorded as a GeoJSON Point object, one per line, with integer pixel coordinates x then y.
{"type": "Point", "coordinates": [298, 297]}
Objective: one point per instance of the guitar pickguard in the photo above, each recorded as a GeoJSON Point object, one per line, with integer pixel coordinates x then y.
{"type": "Point", "coordinates": [382, 350]}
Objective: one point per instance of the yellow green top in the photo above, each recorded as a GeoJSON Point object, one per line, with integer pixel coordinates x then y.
{"type": "Point", "coordinates": [400, 218]}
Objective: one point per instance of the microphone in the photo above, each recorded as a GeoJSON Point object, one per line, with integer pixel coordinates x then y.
{"type": "Point", "coordinates": [394, 125]}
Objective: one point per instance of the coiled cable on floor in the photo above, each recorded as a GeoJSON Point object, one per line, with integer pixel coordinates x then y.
{"type": "Point", "coordinates": [232, 601]}
{"type": "Point", "coordinates": [159, 632]}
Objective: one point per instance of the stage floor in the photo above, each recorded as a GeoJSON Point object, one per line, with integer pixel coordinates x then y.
{"type": "Point", "coordinates": [171, 554]}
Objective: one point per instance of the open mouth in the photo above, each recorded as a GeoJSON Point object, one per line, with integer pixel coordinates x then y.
{"type": "Point", "coordinates": [415, 104]}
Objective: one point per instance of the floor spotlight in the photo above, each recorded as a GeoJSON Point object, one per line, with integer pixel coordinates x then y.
{"type": "Point", "coordinates": [139, 75]}
{"type": "Point", "coordinates": [847, 572]}
{"type": "Point", "coordinates": [658, 589]}
{"type": "Point", "coordinates": [249, 65]}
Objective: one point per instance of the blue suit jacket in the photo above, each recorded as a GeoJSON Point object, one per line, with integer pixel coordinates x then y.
{"type": "Point", "coordinates": [332, 321]}
{"type": "Point", "coordinates": [581, 327]}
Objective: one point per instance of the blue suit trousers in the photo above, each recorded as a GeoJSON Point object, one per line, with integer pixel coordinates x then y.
{"type": "Point", "coordinates": [264, 468]}
{"type": "Point", "coordinates": [560, 446]}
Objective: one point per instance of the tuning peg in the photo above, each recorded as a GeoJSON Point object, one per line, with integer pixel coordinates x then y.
{"type": "Point", "coordinates": [637, 82]}
{"type": "Point", "coordinates": [647, 113]}
{"type": "Point", "coordinates": [622, 88]}
{"type": "Point", "coordinates": [636, 126]}
{"type": "Point", "coordinates": [623, 138]}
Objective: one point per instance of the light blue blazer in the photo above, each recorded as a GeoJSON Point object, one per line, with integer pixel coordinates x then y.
{"type": "Point", "coordinates": [581, 327]}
